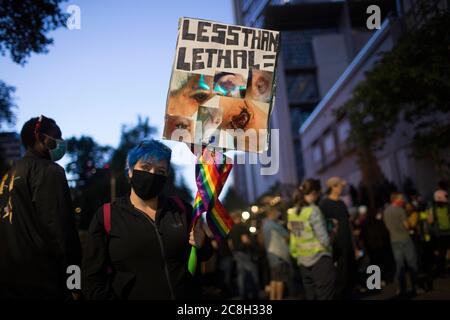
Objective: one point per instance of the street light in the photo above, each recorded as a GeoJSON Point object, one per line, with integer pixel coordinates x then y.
{"type": "Point", "coordinates": [252, 229]}
{"type": "Point", "coordinates": [254, 209]}
{"type": "Point", "coordinates": [245, 215]}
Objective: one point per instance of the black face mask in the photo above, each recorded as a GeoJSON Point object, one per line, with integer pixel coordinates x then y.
{"type": "Point", "coordinates": [147, 185]}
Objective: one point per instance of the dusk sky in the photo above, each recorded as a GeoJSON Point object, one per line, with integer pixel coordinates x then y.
{"type": "Point", "coordinates": [118, 66]}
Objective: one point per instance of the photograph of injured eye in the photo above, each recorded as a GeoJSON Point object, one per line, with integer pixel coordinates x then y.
{"type": "Point", "coordinates": [243, 114]}
{"type": "Point", "coordinates": [259, 86]}
{"type": "Point", "coordinates": [179, 129]}
{"type": "Point", "coordinates": [230, 84]}
{"type": "Point", "coordinates": [187, 92]}
{"type": "Point", "coordinates": [210, 120]}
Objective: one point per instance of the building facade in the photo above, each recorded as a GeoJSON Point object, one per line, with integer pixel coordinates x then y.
{"type": "Point", "coordinates": [10, 147]}
{"type": "Point", "coordinates": [324, 136]}
{"type": "Point", "coordinates": [318, 41]}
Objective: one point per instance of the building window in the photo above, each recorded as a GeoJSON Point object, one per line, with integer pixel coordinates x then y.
{"type": "Point", "coordinates": [259, 23]}
{"type": "Point", "coordinates": [344, 135]}
{"type": "Point", "coordinates": [297, 49]}
{"type": "Point", "coordinates": [302, 88]}
{"type": "Point", "coordinates": [329, 147]}
{"type": "Point", "coordinates": [317, 156]}
{"type": "Point", "coordinates": [245, 4]}
{"type": "Point", "coordinates": [255, 8]}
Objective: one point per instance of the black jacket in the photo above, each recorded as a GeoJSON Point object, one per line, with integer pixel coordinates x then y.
{"type": "Point", "coordinates": [148, 258]}
{"type": "Point", "coordinates": [38, 239]}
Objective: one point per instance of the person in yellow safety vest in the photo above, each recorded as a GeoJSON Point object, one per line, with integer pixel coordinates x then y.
{"type": "Point", "coordinates": [310, 243]}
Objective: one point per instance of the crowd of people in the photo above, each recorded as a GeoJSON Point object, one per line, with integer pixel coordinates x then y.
{"type": "Point", "coordinates": [321, 248]}
{"type": "Point", "coordinates": [138, 246]}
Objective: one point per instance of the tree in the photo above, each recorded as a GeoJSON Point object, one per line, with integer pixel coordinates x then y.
{"type": "Point", "coordinates": [24, 25]}
{"type": "Point", "coordinates": [7, 104]}
{"type": "Point", "coordinates": [90, 175]}
{"type": "Point", "coordinates": [131, 136]}
{"type": "Point", "coordinates": [86, 156]}
{"type": "Point", "coordinates": [409, 83]}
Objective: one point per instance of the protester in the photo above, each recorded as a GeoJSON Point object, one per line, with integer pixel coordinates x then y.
{"type": "Point", "coordinates": [225, 265]}
{"type": "Point", "coordinates": [378, 245]}
{"type": "Point", "coordinates": [424, 243]}
{"type": "Point", "coordinates": [441, 220]}
{"type": "Point", "coordinates": [141, 250]}
{"type": "Point", "coordinates": [310, 242]}
{"type": "Point", "coordinates": [343, 249]}
{"type": "Point", "coordinates": [275, 243]}
{"type": "Point", "coordinates": [241, 246]}
{"type": "Point", "coordinates": [38, 237]}
{"type": "Point", "coordinates": [402, 245]}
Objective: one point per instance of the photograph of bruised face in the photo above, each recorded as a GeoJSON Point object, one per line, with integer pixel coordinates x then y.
{"type": "Point", "coordinates": [230, 84]}
{"type": "Point", "coordinates": [259, 85]}
{"type": "Point", "coordinates": [188, 91]}
{"type": "Point", "coordinates": [179, 128]}
{"type": "Point", "coordinates": [243, 114]}
{"type": "Point", "coordinates": [210, 119]}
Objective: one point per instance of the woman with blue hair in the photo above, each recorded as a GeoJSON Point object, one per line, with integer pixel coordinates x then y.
{"type": "Point", "coordinates": [138, 247]}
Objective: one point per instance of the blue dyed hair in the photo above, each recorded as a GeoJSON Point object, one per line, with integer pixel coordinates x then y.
{"type": "Point", "coordinates": [147, 150]}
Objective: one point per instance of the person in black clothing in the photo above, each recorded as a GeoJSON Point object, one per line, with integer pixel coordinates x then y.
{"type": "Point", "coordinates": [38, 236]}
{"type": "Point", "coordinates": [343, 249]}
{"type": "Point", "coordinates": [240, 244]}
{"type": "Point", "coordinates": [144, 255]}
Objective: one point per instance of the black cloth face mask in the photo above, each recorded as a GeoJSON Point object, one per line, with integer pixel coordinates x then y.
{"type": "Point", "coordinates": [147, 185]}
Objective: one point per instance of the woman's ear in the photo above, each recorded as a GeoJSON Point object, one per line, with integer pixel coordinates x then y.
{"type": "Point", "coordinates": [130, 173]}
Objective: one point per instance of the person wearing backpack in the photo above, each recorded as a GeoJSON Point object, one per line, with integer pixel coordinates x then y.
{"type": "Point", "coordinates": [138, 247]}
{"type": "Point", "coordinates": [310, 242]}
{"type": "Point", "coordinates": [38, 236]}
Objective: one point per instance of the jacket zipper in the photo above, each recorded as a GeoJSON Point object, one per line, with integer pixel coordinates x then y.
{"type": "Point", "coordinates": [163, 254]}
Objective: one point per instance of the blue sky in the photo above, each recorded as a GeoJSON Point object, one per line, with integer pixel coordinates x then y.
{"type": "Point", "coordinates": [115, 68]}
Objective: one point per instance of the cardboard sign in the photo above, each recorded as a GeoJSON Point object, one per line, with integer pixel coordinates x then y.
{"type": "Point", "coordinates": [222, 85]}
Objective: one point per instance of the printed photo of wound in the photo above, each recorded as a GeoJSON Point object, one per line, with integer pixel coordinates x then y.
{"type": "Point", "coordinates": [243, 114]}
{"type": "Point", "coordinates": [230, 84]}
{"type": "Point", "coordinates": [187, 92]}
{"type": "Point", "coordinates": [259, 85]}
{"type": "Point", "coordinates": [179, 129]}
{"type": "Point", "coordinates": [210, 120]}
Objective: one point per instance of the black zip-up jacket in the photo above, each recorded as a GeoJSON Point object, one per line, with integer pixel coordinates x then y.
{"type": "Point", "coordinates": [148, 258]}
{"type": "Point", "coordinates": [38, 239]}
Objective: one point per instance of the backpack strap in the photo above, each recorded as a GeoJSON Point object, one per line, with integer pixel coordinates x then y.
{"type": "Point", "coordinates": [107, 226]}
{"type": "Point", "coordinates": [107, 217]}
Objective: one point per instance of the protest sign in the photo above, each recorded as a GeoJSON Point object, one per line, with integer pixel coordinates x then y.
{"type": "Point", "coordinates": [222, 85]}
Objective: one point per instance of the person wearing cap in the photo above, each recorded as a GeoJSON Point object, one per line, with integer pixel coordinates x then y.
{"type": "Point", "coordinates": [403, 248]}
{"type": "Point", "coordinates": [38, 235]}
{"type": "Point", "coordinates": [440, 216]}
{"type": "Point", "coordinates": [335, 209]}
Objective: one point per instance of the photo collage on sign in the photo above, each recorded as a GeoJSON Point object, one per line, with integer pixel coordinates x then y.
{"type": "Point", "coordinates": [215, 109]}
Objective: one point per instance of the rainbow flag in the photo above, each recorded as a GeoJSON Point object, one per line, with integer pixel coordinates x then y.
{"type": "Point", "coordinates": [212, 170]}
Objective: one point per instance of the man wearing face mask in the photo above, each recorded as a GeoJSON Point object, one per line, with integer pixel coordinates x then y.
{"type": "Point", "coordinates": [38, 236]}
{"type": "Point", "coordinates": [138, 247]}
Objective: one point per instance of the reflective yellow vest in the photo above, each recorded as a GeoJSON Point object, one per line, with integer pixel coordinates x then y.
{"type": "Point", "coordinates": [303, 242]}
